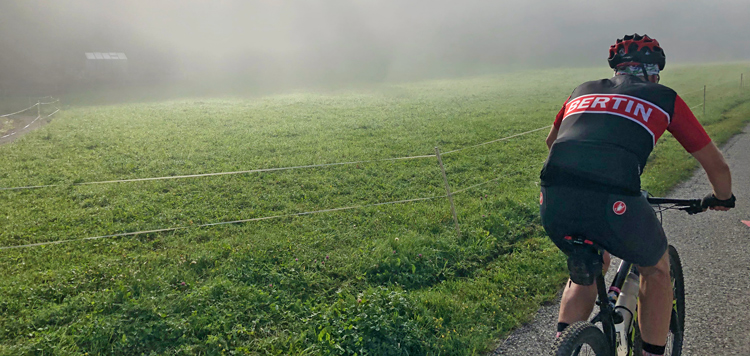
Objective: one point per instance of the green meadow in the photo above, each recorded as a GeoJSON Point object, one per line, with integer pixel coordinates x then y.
{"type": "Point", "coordinates": [389, 279]}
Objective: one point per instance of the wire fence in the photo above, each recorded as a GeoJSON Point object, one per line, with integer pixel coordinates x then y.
{"type": "Point", "coordinates": [135, 233]}
{"type": "Point", "coordinates": [710, 86]}
{"type": "Point", "coordinates": [437, 155]}
{"type": "Point", "coordinates": [705, 90]}
{"type": "Point", "coordinates": [20, 111]}
{"type": "Point", "coordinates": [39, 104]}
{"type": "Point", "coordinates": [219, 173]}
{"type": "Point", "coordinates": [172, 229]}
{"type": "Point", "coordinates": [269, 169]}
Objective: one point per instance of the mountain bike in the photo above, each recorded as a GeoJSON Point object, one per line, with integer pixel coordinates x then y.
{"type": "Point", "coordinates": [618, 333]}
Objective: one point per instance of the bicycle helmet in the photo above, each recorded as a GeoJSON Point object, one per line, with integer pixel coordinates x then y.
{"type": "Point", "coordinates": [636, 49]}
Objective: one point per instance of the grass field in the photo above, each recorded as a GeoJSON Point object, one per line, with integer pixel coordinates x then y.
{"type": "Point", "coordinates": [379, 280]}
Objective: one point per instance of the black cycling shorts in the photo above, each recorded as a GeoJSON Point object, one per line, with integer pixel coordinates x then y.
{"type": "Point", "coordinates": [626, 226]}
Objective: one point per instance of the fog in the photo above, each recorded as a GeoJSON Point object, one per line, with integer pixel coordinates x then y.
{"type": "Point", "coordinates": [276, 44]}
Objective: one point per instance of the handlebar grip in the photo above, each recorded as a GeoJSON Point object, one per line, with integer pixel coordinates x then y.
{"type": "Point", "coordinates": [711, 201]}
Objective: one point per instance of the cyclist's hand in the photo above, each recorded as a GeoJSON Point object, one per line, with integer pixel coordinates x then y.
{"type": "Point", "coordinates": [712, 202]}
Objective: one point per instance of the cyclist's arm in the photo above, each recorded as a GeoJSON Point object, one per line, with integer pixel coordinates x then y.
{"type": "Point", "coordinates": [690, 133]}
{"type": "Point", "coordinates": [556, 126]}
{"type": "Point", "coordinates": [551, 137]}
{"type": "Point", "coordinates": [717, 170]}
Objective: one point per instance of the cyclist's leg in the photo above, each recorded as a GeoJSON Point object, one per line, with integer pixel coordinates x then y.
{"type": "Point", "coordinates": [637, 236]}
{"type": "Point", "coordinates": [572, 211]}
{"type": "Point", "coordinates": [578, 301]}
{"type": "Point", "coordinates": [655, 302]}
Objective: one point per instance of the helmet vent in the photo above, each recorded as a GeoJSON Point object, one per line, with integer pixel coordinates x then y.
{"type": "Point", "coordinates": [636, 49]}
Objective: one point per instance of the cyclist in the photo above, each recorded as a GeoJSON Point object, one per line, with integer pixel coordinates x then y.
{"type": "Point", "coordinates": [599, 144]}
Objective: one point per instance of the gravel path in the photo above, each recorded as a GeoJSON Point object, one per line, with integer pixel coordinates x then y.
{"type": "Point", "coordinates": [715, 252]}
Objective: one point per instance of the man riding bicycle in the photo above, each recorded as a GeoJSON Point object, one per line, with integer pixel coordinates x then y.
{"type": "Point", "coordinates": [599, 145]}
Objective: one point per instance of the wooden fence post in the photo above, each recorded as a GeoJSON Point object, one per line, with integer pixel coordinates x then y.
{"type": "Point", "coordinates": [448, 190]}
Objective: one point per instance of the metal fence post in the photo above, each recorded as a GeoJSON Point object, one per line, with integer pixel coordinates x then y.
{"type": "Point", "coordinates": [448, 190]}
{"type": "Point", "coordinates": [741, 75]}
{"type": "Point", "coordinates": [38, 108]}
{"type": "Point", "coordinates": [704, 101]}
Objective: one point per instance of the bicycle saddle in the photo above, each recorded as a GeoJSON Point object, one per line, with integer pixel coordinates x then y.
{"type": "Point", "coordinates": [585, 261]}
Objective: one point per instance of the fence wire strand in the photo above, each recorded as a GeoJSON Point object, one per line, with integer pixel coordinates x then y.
{"type": "Point", "coordinates": [265, 169]}
{"type": "Point", "coordinates": [135, 233]}
{"type": "Point", "coordinates": [498, 140]}
{"type": "Point", "coordinates": [477, 185]}
{"type": "Point", "coordinates": [217, 174]}
{"type": "Point", "coordinates": [707, 87]}
{"type": "Point", "coordinates": [18, 112]}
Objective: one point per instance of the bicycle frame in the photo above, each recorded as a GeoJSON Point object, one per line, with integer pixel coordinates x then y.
{"type": "Point", "coordinates": [607, 315]}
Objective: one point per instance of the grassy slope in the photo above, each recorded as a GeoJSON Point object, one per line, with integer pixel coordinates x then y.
{"type": "Point", "coordinates": [331, 283]}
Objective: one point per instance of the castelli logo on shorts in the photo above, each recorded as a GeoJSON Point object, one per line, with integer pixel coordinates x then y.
{"type": "Point", "coordinates": [619, 207]}
{"type": "Point", "coordinates": [541, 198]}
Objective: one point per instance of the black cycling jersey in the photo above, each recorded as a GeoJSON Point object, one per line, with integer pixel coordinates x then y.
{"type": "Point", "coordinates": [607, 130]}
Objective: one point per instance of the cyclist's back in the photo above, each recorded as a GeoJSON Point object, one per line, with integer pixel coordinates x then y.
{"type": "Point", "coordinates": [599, 145]}
{"type": "Point", "coordinates": [608, 128]}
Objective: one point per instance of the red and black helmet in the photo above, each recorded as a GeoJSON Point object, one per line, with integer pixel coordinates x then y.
{"type": "Point", "coordinates": [636, 49]}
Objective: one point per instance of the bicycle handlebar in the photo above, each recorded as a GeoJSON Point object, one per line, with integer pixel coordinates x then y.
{"type": "Point", "coordinates": [691, 206]}
{"type": "Point", "coordinates": [678, 202]}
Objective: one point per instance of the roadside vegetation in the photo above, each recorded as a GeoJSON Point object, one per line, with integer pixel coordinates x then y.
{"type": "Point", "coordinates": [5, 125]}
{"type": "Point", "coordinates": [379, 280]}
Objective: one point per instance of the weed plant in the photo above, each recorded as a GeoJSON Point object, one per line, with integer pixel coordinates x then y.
{"type": "Point", "coordinates": [376, 280]}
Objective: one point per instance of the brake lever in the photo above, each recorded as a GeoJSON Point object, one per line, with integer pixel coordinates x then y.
{"type": "Point", "coordinates": [693, 209]}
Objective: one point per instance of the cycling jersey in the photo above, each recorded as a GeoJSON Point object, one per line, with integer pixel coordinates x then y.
{"type": "Point", "coordinates": [607, 130]}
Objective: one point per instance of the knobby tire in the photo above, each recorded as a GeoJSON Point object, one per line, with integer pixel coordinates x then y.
{"type": "Point", "coordinates": [677, 323]}
{"type": "Point", "coordinates": [579, 334]}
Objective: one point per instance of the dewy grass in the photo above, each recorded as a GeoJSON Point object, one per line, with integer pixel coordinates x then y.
{"type": "Point", "coordinates": [383, 280]}
{"type": "Point", "coordinates": [6, 124]}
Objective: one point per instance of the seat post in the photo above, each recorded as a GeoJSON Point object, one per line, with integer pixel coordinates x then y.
{"type": "Point", "coordinates": [601, 289]}
{"type": "Point", "coordinates": [606, 313]}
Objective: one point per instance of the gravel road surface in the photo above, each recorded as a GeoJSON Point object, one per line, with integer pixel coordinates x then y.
{"type": "Point", "coordinates": [715, 251]}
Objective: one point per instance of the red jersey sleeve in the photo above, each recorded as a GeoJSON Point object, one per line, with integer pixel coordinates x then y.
{"type": "Point", "coordinates": [686, 128]}
{"type": "Point", "coordinates": [560, 114]}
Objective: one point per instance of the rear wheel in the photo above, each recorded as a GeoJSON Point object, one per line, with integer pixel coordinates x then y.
{"type": "Point", "coordinates": [677, 323]}
{"type": "Point", "coordinates": [581, 339]}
